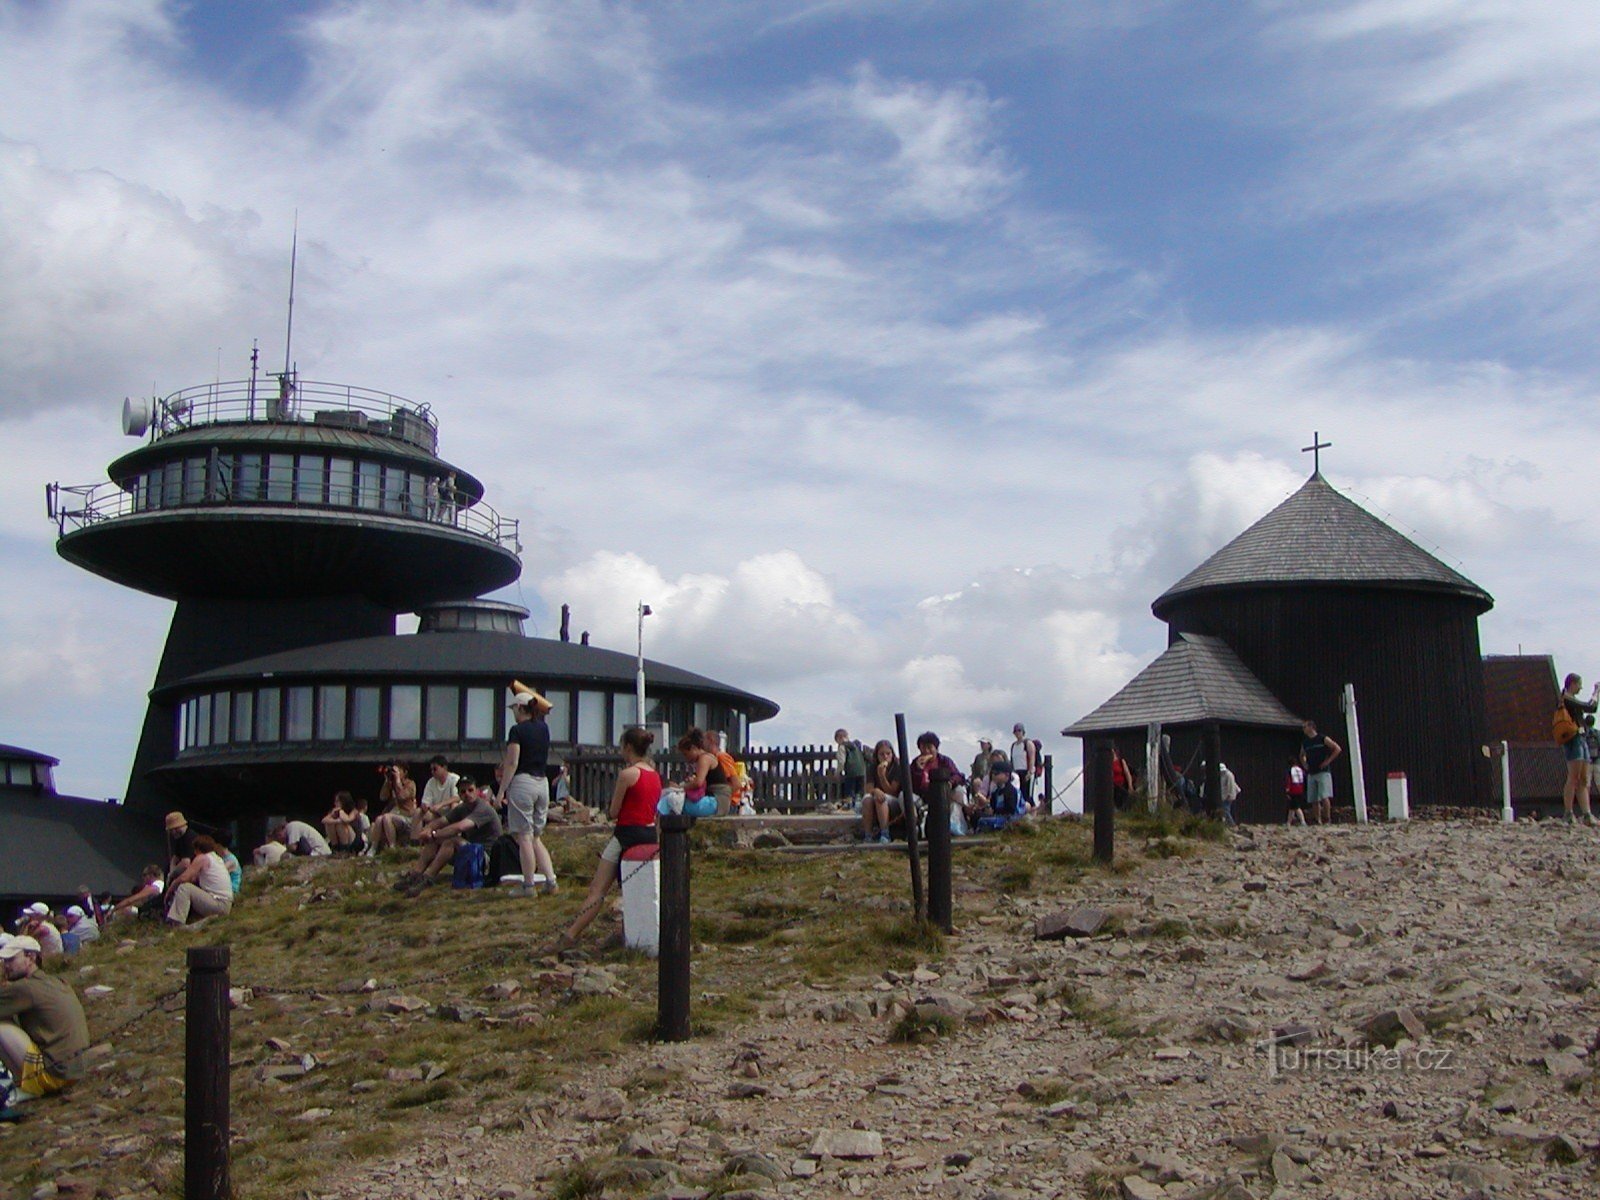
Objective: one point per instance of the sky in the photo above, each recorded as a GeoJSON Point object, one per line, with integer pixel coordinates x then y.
{"type": "Point", "coordinates": [897, 354]}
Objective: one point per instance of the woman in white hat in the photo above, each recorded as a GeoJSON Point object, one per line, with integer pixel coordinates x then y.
{"type": "Point", "coordinates": [525, 788]}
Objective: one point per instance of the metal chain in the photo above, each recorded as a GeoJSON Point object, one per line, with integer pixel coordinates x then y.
{"type": "Point", "coordinates": [119, 1030]}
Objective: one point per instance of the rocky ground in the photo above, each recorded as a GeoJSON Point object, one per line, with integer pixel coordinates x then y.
{"type": "Point", "coordinates": [1346, 1012]}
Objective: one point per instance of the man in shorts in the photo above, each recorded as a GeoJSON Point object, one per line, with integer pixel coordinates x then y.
{"type": "Point", "coordinates": [1317, 755]}
{"type": "Point", "coordinates": [43, 1031]}
{"type": "Point", "coordinates": [472, 820]}
{"type": "Point", "coordinates": [524, 789]}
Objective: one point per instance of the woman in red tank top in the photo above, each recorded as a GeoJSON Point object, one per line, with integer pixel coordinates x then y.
{"type": "Point", "coordinates": [633, 811]}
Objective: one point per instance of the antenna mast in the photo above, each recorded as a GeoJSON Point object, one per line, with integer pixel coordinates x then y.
{"type": "Point", "coordinates": [294, 249]}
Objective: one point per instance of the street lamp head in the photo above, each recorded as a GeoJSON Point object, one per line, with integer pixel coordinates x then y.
{"type": "Point", "coordinates": [644, 610]}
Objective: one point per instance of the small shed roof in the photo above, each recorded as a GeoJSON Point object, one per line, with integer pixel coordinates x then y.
{"type": "Point", "coordinates": [22, 754]}
{"type": "Point", "coordinates": [1196, 680]}
{"type": "Point", "coordinates": [1320, 537]}
{"type": "Point", "coordinates": [54, 843]}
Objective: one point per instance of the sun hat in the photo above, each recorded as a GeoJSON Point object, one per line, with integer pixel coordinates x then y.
{"type": "Point", "coordinates": [176, 820]}
{"type": "Point", "coordinates": [524, 696]}
{"type": "Point", "coordinates": [19, 945]}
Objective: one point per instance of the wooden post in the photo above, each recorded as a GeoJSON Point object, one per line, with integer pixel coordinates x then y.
{"type": "Point", "coordinates": [1049, 783]}
{"type": "Point", "coordinates": [908, 805]}
{"type": "Point", "coordinates": [1152, 766]}
{"type": "Point", "coordinates": [1213, 798]}
{"type": "Point", "coordinates": [1105, 812]}
{"type": "Point", "coordinates": [939, 906]}
{"type": "Point", "coordinates": [1358, 781]}
{"type": "Point", "coordinates": [206, 1106]}
{"type": "Point", "coordinates": [672, 963]}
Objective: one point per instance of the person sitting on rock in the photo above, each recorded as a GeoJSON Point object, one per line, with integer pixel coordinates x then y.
{"type": "Point", "coordinates": [472, 820]}
{"type": "Point", "coordinates": [342, 826]}
{"type": "Point", "coordinates": [297, 837]}
{"type": "Point", "coordinates": [37, 924]}
{"type": "Point", "coordinates": [43, 1032]}
{"type": "Point", "coordinates": [144, 900]}
{"type": "Point", "coordinates": [1005, 798]}
{"type": "Point", "coordinates": [928, 768]}
{"type": "Point", "coordinates": [77, 927]}
{"type": "Point", "coordinates": [202, 887]}
{"type": "Point", "coordinates": [882, 793]}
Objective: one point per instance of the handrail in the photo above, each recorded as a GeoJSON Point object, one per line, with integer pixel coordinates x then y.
{"type": "Point", "coordinates": [78, 506]}
{"type": "Point", "coordinates": [290, 400]}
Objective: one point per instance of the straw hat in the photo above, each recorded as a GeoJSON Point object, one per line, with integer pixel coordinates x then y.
{"type": "Point", "coordinates": [523, 696]}
{"type": "Point", "coordinates": [176, 820]}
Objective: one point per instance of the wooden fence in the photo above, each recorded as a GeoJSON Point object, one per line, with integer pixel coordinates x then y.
{"type": "Point", "coordinates": [783, 779]}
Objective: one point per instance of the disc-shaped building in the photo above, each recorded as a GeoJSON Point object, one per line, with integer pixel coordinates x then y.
{"type": "Point", "coordinates": [1267, 632]}
{"type": "Point", "coordinates": [292, 523]}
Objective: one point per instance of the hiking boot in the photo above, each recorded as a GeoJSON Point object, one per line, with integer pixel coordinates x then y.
{"type": "Point", "coordinates": [406, 880]}
{"type": "Point", "coordinates": [1571, 820]}
{"type": "Point", "coordinates": [549, 887]}
{"type": "Point", "coordinates": [417, 886]}
{"type": "Point", "coordinates": [883, 839]}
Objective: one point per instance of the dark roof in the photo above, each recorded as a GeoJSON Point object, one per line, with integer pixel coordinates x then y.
{"type": "Point", "coordinates": [1520, 695]}
{"type": "Point", "coordinates": [14, 753]}
{"type": "Point", "coordinates": [54, 843]}
{"type": "Point", "coordinates": [1319, 537]}
{"type": "Point", "coordinates": [1197, 679]}
{"type": "Point", "coordinates": [471, 652]}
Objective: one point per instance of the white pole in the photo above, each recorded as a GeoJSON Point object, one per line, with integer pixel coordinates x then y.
{"type": "Point", "coordinates": [1152, 766]}
{"type": "Point", "coordinates": [638, 675]}
{"type": "Point", "coordinates": [1353, 730]}
{"type": "Point", "coordinates": [1507, 813]}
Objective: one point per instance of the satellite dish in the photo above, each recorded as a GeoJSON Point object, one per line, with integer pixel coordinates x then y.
{"type": "Point", "coordinates": [135, 416]}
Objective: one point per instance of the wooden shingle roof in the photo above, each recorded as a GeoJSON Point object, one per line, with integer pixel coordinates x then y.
{"type": "Point", "coordinates": [1318, 537]}
{"type": "Point", "coordinates": [1196, 680]}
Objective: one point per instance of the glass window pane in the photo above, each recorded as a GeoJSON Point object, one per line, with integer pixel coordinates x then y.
{"type": "Point", "coordinates": [308, 479]}
{"type": "Point", "coordinates": [405, 712]}
{"type": "Point", "coordinates": [701, 716]}
{"type": "Point", "coordinates": [330, 713]}
{"type": "Point", "coordinates": [202, 721]}
{"type": "Point", "coordinates": [152, 488]}
{"type": "Point", "coordinates": [364, 712]}
{"type": "Point", "coordinates": [185, 716]}
{"type": "Point", "coordinates": [341, 481]}
{"type": "Point", "coordinates": [369, 473]}
{"type": "Point", "coordinates": [559, 717]}
{"type": "Point", "coordinates": [592, 718]}
{"type": "Point", "coordinates": [249, 477]}
{"type": "Point", "coordinates": [194, 480]}
{"type": "Point", "coordinates": [444, 713]}
{"type": "Point", "coordinates": [267, 715]}
{"type": "Point", "coordinates": [172, 487]}
{"type": "Point", "coordinates": [481, 710]}
{"type": "Point", "coordinates": [297, 714]}
{"type": "Point", "coordinates": [394, 486]}
{"type": "Point", "coordinates": [244, 716]}
{"type": "Point", "coordinates": [221, 717]}
{"type": "Point", "coordinates": [623, 709]}
{"type": "Point", "coordinates": [280, 477]}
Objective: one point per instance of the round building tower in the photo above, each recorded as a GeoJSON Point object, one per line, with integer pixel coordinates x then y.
{"type": "Point", "coordinates": [278, 514]}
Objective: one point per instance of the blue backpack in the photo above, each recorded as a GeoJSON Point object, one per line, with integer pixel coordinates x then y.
{"type": "Point", "coordinates": [468, 865]}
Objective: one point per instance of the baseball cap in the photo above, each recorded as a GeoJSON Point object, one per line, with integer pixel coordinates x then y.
{"type": "Point", "coordinates": [530, 700]}
{"type": "Point", "coordinates": [19, 945]}
{"type": "Point", "coordinates": [76, 911]}
{"type": "Point", "coordinates": [38, 908]}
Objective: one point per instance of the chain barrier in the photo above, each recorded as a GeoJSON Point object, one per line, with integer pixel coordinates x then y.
{"type": "Point", "coordinates": [154, 1006]}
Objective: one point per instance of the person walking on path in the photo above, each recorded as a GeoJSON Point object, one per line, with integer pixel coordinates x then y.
{"type": "Point", "coordinates": [633, 814]}
{"type": "Point", "coordinates": [1317, 756]}
{"type": "Point", "coordinates": [1576, 789]}
{"type": "Point", "coordinates": [525, 789]}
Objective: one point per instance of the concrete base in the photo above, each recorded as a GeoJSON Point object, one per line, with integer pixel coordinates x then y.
{"type": "Point", "coordinates": [641, 899]}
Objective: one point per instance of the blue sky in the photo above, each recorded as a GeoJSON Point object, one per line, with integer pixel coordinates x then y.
{"type": "Point", "coordinates": [898, 355]}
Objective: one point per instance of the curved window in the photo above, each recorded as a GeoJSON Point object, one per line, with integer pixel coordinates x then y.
{"type": "Point", "coordinates": [330, 713]}
{"type": "Point", "coordinates": [364, 713]}
{"type": "Point", "coordinates": [267, 715]}
{"type": "Point", "coordinates": [297, 714]}
{"type": "Point", "coordinates": [444, 713]}
{"type": "Point", "coordinates": [405, 712]}
{"type": "Point", "coordinates": [244, 716]}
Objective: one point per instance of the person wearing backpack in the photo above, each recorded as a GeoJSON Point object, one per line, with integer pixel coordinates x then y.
{"type": "Point", "coordinates": [852, 761]}
{"type": "Point", "coordinates": [1574, 747]}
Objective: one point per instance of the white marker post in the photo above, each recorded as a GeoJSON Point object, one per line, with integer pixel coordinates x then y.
{"type": "Point", "coordinates": [1507, 814]}
{"type": "Point", "coordinates": [1152, 766]}
{"type": "Point", "coordinates": [1353, 731]}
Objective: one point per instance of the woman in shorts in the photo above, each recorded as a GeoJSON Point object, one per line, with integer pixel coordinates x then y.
{"type": "Point", "coordinates": [633, 813]}
{"type": "Point", "coordinates": [1576, 750]}
{"type": "Point", "coordinates": [883, 792]}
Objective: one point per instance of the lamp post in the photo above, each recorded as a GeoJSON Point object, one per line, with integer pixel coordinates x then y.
{"type": "Point", "coordinates": [638, 675]}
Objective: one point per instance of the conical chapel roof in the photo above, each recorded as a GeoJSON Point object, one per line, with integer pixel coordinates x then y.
{"type": "Point", "coordinates": [1320, 538]}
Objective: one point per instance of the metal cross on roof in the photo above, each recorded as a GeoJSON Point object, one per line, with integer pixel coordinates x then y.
{"type": "Point", "coordinates": [1315, 450]}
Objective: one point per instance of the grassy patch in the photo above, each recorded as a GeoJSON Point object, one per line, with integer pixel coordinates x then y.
{"type": "Point", "coordinates": [915, 1028]}
{"type": "Point", "coordinates": [1108, 1019]}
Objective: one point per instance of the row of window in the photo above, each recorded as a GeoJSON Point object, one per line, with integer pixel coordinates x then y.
{"type": "Point", "coordinates": [409, 712]}
{"type": "Point", "coordinates": [27, 774]}
{"type": "Point", "coordinates": [294, 479]}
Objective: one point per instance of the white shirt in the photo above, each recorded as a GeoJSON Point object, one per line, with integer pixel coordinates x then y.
{"type": "Point", "coordinates": [1019, 755]}
{"type": "Point", "coordinates": [213, 877]}
{"type": "Point", "coordinates": [436, 794]}
{"type": "Point", "coordinates": [294, 831]}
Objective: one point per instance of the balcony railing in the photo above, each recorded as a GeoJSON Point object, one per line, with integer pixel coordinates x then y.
{"type": "Point", "coordinates": [78, 506]}
{"type": "Point", "coordinates": [290, 400]}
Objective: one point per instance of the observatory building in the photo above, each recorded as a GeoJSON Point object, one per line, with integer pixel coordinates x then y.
{"type": "Point", "coordinates": [1267, 632]}
{"type": "Point", "coordinates": [292, 522]}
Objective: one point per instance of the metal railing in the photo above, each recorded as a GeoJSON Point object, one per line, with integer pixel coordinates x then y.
{"type": "Point", "coordinates": [290, 400]}
{"type": "Point", "coordinates": [78, 506]}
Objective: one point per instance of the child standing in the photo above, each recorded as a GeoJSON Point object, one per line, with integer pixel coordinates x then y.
{"type": "Point", "coordinates": [1294, 790]}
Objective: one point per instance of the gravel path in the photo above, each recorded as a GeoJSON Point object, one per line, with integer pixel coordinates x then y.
{"type": "Point", "coordinates": [1429, 992]}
